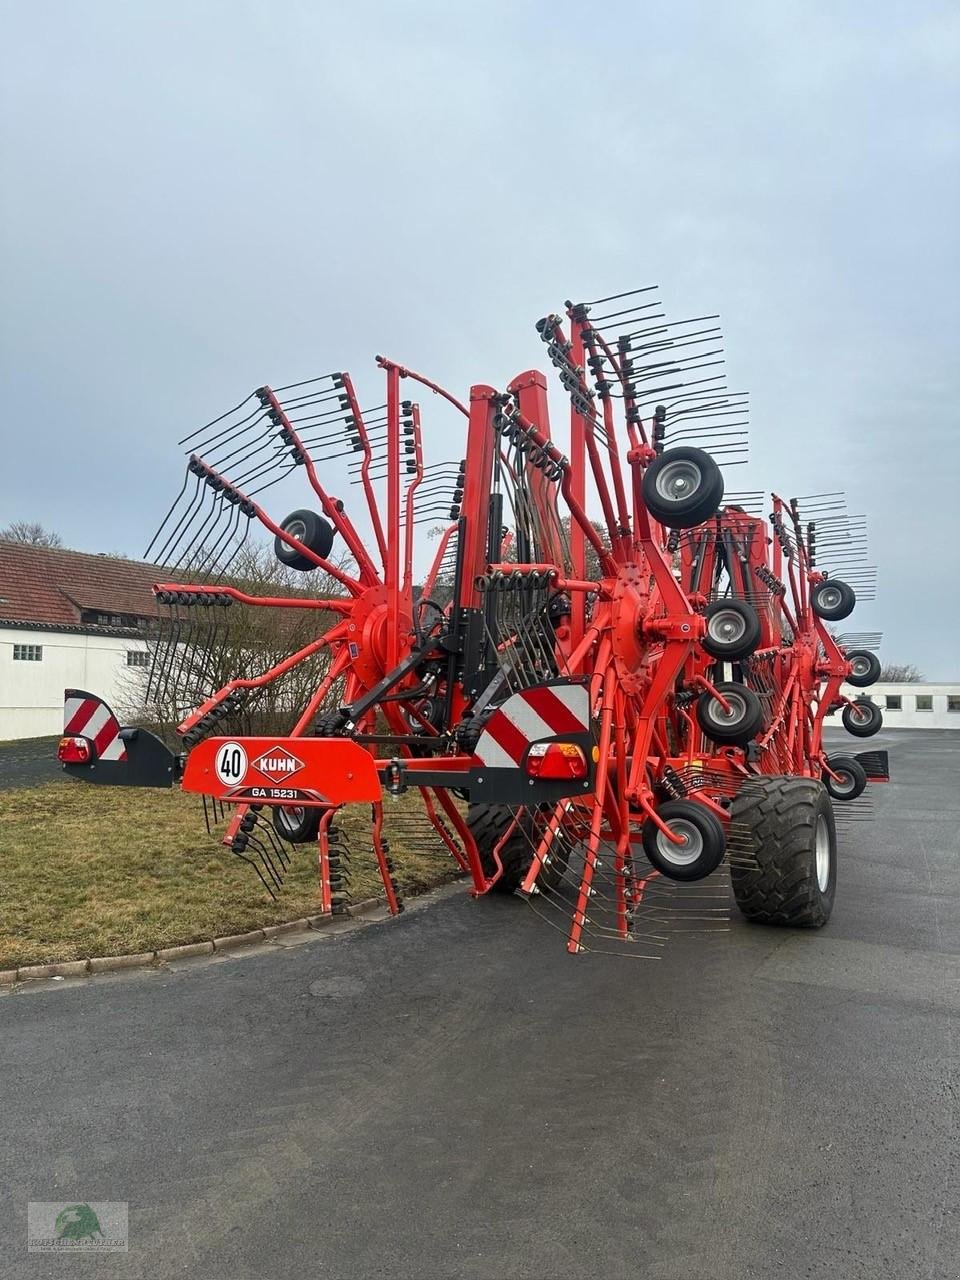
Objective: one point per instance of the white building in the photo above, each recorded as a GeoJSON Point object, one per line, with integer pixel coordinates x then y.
{"type": "Point", "coordinates": [68, 620]}
{"type": "Point", "coordinates": [913, 706]}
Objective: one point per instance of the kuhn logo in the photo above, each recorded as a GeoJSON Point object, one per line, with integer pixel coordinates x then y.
{"type": "Point", "coordinates": [277, 764]}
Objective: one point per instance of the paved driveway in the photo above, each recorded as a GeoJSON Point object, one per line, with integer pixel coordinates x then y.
{"type": "Point", "coordinates": [452, 1095]}
{"type": "Point", "coordinates": [28, 762]}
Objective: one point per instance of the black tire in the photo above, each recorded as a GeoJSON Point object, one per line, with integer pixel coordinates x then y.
{"type": "Point", "coordinates": [862, 718]}
{"type": "Point", "coordinates": [297, 824]}
{"type": "Point", "coordinates": [832, 599]}
{"type": "Point", "coordinates": [733, 630]}
{"type": "Point", "coordinates": [783, 821]}
{"type": "Point", "coordinates": [488, 822]}
{"type": "Point", "coordinates": [682, 487]}
{"type": "Point", "coordinates": [864, 668]}
{"type": "Point", "coordinates": [852, 775]}
{"type": "Point", "coordinates": [311, 530]}
{"type": "Point", "coordinates": [741, 725]}
{"type": "Point", "coordinates": [704, 841]}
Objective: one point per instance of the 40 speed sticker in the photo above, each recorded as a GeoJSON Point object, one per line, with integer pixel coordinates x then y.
{"type": "Point", "coordinates": [231, 764]}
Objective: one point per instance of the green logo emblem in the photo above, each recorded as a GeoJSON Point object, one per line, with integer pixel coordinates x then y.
{"type": "Point", "coordinates": [77, 1222]}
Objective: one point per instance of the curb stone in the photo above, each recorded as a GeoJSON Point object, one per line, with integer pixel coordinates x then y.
{"type": "Point", "coordinates": [184, 951]}
{"type": "Point", "coordinates": [238, 940]}
{"type": "Point", "coordinates": [57, 969]}
{"type": "Point", "coordinates": [276, 930]}
{"type": "Point", "coordinates": [137, 960]}
{"type": "Point", "coordinates": [146, 959]}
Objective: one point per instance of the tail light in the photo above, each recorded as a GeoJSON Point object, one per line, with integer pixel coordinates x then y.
{"type": "Point", "coordinates": [556, 760]}
{"type": "Point", "coordinates": [75, 751]}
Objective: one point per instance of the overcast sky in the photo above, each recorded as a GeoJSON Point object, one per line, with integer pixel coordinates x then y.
{"type": "Point", "coordinates": [200, 197]}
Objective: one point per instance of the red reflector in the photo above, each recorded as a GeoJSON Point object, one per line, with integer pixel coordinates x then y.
{"type": "Point", "coordinates": [75, 751]}
{"type": "Point", "coordinates": [556, 760]}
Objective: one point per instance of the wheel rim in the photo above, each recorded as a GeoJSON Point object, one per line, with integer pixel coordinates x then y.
{"type": "Point", "coordinates": [679, 480]}
{"type": "Point", "coordinates": [736, 714]}
{"type": "Point", "coordinates": [829, 597]}
{"type": "Point", "coordinates": [844, 782]}
{"type": "Point", "coordinates": [862, 714]}
{"type": "Point", "coordinates": [296, 529]}
{"type": "Point", "coordinates": [860, 666]}
{"type": "Point", "coordinates": [291, 819]}
{"type": "Point", "coordinates": [726, 626]}
{"type": "Point", "coordinates": [681, 855]}
{"type": "Point", "coordinates": [823, 854]}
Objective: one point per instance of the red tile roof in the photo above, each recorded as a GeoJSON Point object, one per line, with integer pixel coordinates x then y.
{"type": "Point", "coordinates": [48, 585]}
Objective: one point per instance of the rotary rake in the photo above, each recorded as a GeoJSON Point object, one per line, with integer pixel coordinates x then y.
{"type": "Point", "coordinates": [593, 711]}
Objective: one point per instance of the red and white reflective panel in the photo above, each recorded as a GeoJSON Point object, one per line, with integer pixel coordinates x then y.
{"type": "Point", "coordinates": [93, 719]}
{"type": "Point", "coordinates": [529, 715]}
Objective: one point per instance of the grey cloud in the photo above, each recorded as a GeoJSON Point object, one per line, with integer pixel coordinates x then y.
{"type": "Point", "coordinates": [198, 198]}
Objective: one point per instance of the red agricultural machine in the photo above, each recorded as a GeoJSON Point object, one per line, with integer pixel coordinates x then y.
{"type": "Point", "coordinates": [585, 706]}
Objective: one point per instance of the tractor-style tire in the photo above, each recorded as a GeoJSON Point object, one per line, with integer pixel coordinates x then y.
{"type": "Point", "coordinates": [487, 823]}
{"type": "Point", "coordinates": [310, 529]}
{"type": "Point", "coordinates": [832, 600]}
{"type": "Point", "coordinates": [864, 668]}
{"type": "Point", "coordinates": [852, 778]}
{"type": "Point", "coordinates": [682, 487]}
{"type": "Point", "coordinates": [297, 824]}
{"type": "Point", "coordinates": [704, 842]}
{"type": "Point", "coordinates": [789, 823]}
{"type": "Point", "coordinates": [733, 630]}
{"type": "Point", "coordinates": [741, 724]}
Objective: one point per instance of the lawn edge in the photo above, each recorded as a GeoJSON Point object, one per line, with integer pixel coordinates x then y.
{"type": "Point", "coordinates": [151, 959]}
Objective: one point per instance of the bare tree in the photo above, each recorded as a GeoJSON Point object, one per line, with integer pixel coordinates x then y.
{"type": "Point", "coordinates": [200, 649]}
{"type": "Point", "coordinates": [900, 673]}
{"type": "Point", "coordinates": [30, 532]}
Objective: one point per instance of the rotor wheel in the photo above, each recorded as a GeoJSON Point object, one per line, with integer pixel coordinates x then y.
{"type": "Point", "coordinates": [297, 824]}
{"type": "Point", "coordinates": [832, 599]}
{"type": "Point", "coordinates": [733, 630]}
{"type": "Point", "coordinates": [851, 780]}
{"type": "Point", "coordinates": [740, 724]}
{"type": "Point", "coordinates": [864, 668]}
{"type": "Point", "coordinates": [862, 718]}
{"type": "Point", "coordinates": [702, 846]}
{"type": "Point", "coordinates": [682, 487]}
{"type": "Point", "coordinates": [791, 877]}
{"type": "Point", "coordinates": [309, 529]}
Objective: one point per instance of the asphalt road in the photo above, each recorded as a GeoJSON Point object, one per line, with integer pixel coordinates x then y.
{"type": "Point", "coordinates": [452, 1095]}
{"type": "Point", "coordinates": [28, 762]}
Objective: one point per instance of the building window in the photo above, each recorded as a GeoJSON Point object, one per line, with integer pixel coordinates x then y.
{"type": "Point", "coordinates": [28, 653]}
{"type": "Point", "coordinates": [94, 617]}
{"type": "Point", "coordinates": [953, 701]}
{"type": "Point", "coordinates": [894, 702]}
{"type": "Point", "coordinates": [138, 658]}
{"type": "Point", "coordinates": [924, 701]}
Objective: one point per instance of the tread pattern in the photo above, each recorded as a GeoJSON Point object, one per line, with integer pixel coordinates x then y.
{"type": "Point", "coordinates": [776, 819]}
{"type": "Point", "coordinates": [488, 822]}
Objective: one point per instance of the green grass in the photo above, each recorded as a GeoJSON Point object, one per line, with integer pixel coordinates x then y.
{"type": "Point", "coordinates": [92, 871]}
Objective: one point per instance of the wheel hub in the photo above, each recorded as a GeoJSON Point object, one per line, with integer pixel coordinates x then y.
{"type": "Point", "coordinates": [678, 480]}
{"type": "Point", "coordinates": [727, 626]}
{"type": "Point", "coordinates": [738, 709]}
{"type": "Point", "coordinates": [823, 854]}
{"type": "Point", "coordinates": [690, 848]}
